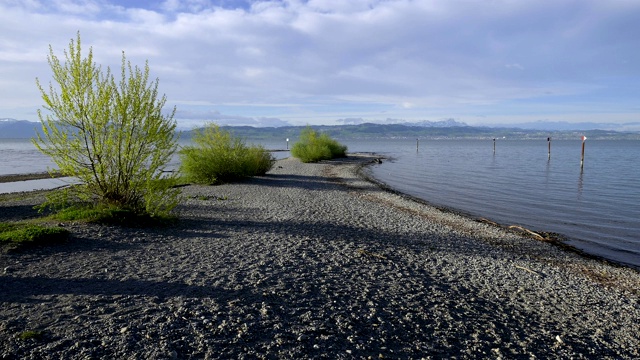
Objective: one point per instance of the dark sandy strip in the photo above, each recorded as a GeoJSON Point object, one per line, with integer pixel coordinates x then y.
{"type": "Point", "coordinates": [32, 176]}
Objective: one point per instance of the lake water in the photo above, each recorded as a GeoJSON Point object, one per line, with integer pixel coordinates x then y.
{"type": "Point", "coordinates": [597, 207]}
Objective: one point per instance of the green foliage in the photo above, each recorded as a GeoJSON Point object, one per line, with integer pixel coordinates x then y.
{"type": "Point", "coordinates": [4, 227]}
{"type": "Point", "coordinates": [110, 135]}
{"type": "Point", "coordinates": [21, 234]}
{"type": "Point", "coordinates": [60, 199]}
{"type": "Point", "coordinates": [67, 205]}
{"type": "Point", "coordinates": [79, 213]}
{"type": "Point", "coordinates": [312, 147]}
{"type": "Point", "coordinates": [31, 334]}
{"type": "Point", "coordinates": [219, 157]}
{"type": "Point", "coordinates": [110, 215]}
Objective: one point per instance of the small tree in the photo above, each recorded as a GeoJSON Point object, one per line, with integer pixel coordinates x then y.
{"type": "Point", "coordinates": [110, 135]}
{"type": "Point", "coordinates": [218, 157]}
{"type": "Point", "coordinates": [313, 147]}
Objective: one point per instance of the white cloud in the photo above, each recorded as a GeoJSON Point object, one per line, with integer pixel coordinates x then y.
{"type": "Point", "coordinates": [191, 119]}
{"type": "Point", "coordinates": [347, 59]}
{"type": "Point", "coordinates": [80, 7]}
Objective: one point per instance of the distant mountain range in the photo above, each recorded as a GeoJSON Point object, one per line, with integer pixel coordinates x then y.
{"type": "Point", "coordinates": [423, 123]}
{"type": "Point", "coordinates": [446, 129]}
{"type": "Point", "coordinates": [565, 126]}
{"type": "Point", "coordinates": [386, 131]}
{"type": "Point", "coordinates": [12, 128]}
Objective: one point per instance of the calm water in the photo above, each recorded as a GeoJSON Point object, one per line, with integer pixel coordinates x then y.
{"type": "Point", "coordinates": [19, 156]}
{"type": "Point", "coordinates": [596, 208]}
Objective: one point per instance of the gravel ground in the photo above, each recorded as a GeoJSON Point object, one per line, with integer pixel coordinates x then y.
{"type": "Point", "coordinates": [311, 261]}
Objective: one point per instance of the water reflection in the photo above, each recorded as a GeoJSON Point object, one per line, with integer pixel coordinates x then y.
{"type": "Point", "coordinates": [580, 183]}
{"type": "Point", "coordinates": [523, 186]}
{"type": "Point", "coordinates": [547, 172]}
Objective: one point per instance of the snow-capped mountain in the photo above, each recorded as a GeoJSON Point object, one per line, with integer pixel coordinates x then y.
{"type": "Point", "coordinates": [19, 129]}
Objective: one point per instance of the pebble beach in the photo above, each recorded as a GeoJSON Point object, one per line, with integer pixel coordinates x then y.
{"type": "Point", "coordinates": [311, 261]}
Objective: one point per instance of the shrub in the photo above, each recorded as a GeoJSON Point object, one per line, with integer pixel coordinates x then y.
{"type": "Point", "coordinates": [110, 135]}
{"type": "Point", "coordinates": [218, 157]}
{"type": "Point", "coordinates": [312, 147]}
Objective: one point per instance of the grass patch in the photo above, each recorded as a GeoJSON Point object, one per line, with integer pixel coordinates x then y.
{"type": "Point", "coordinates": [22, 234]}
{"type": "Point", "coordinates": [313, 147]}
{"type": "Point", "coordinates": [65, 205]}
{"type": "Point", "coordinates": [111, 216]}
{"type": "Point", "coordinates": [31, 335]}
{"type": "Point", "coordinates": [22, 195]}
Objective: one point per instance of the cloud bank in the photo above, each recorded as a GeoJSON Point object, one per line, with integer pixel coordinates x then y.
{"type": "Point", "coordinates": [317, 61]}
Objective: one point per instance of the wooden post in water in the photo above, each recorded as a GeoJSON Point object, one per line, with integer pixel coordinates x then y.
{"type": "Point", "coordinates": [582, 157]}
{"type": "Point", "coordinates": [417, 144]}
{"type": "Point", "coordinates": [494, 146]}
{"type": "Point", "coordinates": [549, 146]}
{"type": "Point", "coordinates": [287, 143]}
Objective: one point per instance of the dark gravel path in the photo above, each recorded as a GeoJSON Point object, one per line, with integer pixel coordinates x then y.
{"type": "Point", "coordinates": [312, 261]}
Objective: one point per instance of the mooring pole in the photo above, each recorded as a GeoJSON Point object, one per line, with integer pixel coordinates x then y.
{"type": "Point", "coordinates": [582, 157]}
{"type": "Point", "coordinates": [417, 144]}
{"type": "Point", "coordinates": [494, 146]}
{"type": "Point", "coordinates": [549, 146]}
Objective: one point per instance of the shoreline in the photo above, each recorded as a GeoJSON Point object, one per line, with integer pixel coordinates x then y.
{"type": "Point", "coordinates": [553, 238]}
{"type": "Point", "coordinates": [312, 261]}
{"type": "Point", "coordinates": [31, 176]}
{"type": "Point", "coordinates": [549, 237]}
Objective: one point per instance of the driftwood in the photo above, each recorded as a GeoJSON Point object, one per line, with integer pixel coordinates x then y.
{"type": "Point", "coordinates": [527, 231]}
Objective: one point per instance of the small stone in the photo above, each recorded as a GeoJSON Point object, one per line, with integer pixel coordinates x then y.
{"type": "Point", "coordinates": [559, 339]}
{"type": "Point", "coordinates": [124, 330]}
{"type": "Point", "coordinates": [9, 269]}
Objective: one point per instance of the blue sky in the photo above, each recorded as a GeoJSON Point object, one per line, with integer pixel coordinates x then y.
{"type": "Point", "coordinates": [271, 63]}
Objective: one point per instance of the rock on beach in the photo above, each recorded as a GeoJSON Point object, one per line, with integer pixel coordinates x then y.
{"type": "Point", "coordinates": [311, 261]}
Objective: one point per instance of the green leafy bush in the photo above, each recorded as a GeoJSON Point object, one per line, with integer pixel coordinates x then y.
{"type": "Point", "coordinates": [313, 147]}
{"type": "Point", "coordinates": [219, 157]}
{"type": "Point", "coordinates": [111, 135]}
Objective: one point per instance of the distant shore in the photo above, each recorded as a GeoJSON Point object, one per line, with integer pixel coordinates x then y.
{"type": "Point", "coordinates": [31, 176]}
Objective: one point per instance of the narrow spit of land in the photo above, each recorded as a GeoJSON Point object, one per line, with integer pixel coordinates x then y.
{"type": "Point", "coordinates": [32, 176]}
{"type": "Point", "coordinates": [311, 261]}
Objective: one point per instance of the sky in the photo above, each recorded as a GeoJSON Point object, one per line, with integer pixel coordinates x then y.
{"type": "Point", "coordinates": [299, 62]}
